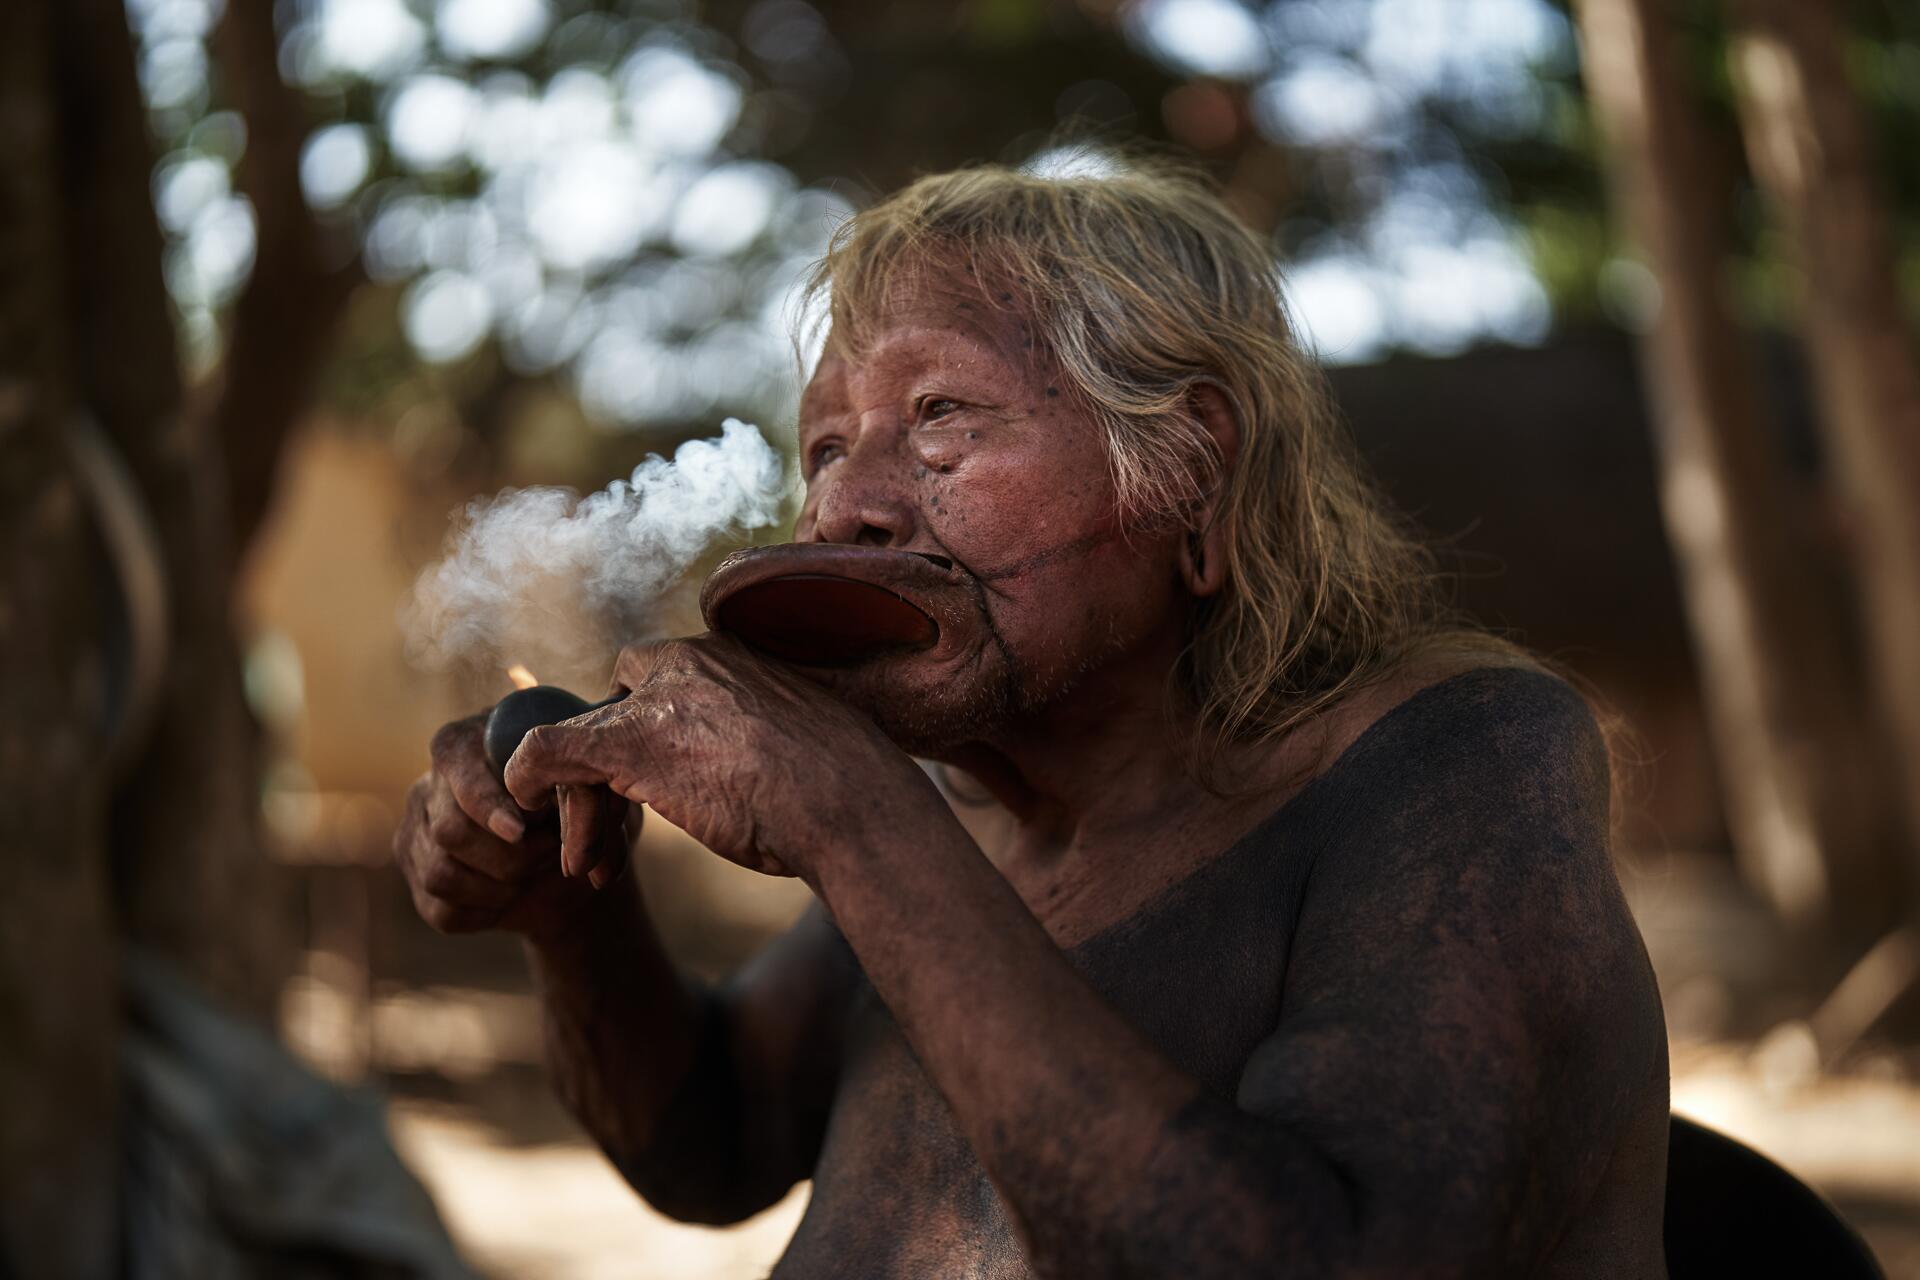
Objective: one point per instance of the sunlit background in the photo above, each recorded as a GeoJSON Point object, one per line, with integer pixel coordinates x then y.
{"type": "Point", "coordinates": [587, 190]}
{"type": "Point", "coordinates": [570, 234]}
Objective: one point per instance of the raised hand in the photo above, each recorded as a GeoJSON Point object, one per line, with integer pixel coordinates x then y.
{"type": "Point", "coordinates": [751, 759]}
{"type": "Point", "coordinates": [474, 860]}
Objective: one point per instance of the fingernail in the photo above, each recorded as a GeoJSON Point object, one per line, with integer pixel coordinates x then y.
{"type": "Point", "coordinates": [506, 826]}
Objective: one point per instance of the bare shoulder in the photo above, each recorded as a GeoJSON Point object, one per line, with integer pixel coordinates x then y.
{"type": "Point", "coordinates": [1482, 686]}
{"type": "Point", "coordinates": [1504, 761]}
{"type": "Point", "coordinates": [1470, 1023]}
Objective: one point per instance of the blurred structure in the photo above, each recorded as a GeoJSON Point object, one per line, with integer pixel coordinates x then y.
{"type": "Point", "coordinates": [322, 270]}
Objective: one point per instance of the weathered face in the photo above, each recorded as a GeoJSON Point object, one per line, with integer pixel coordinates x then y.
{"type": "Point", "coordinates": [953, 434]}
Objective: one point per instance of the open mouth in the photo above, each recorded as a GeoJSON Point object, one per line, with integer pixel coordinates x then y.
{"type": "Point", "coordinates": [826, 605]}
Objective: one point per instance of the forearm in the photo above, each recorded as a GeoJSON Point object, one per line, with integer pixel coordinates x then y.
{"type": "Point", "coordinates": [1111, 1160]}
{"type": "Point", "coordinates": [622, 1028]}
{"type": "Point", "coordinates": [694, 1093]}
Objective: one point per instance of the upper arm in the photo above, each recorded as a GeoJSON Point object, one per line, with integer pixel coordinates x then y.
{"type": "Point", "coordinates": [747, 1120]}
{"type": "Point", "coordinates": [786, 1012]}
{"type": "Point", "coordinates": [1468, 1012]}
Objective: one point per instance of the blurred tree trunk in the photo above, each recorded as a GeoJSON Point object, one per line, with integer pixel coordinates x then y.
{"type": "Point", "coordinates": [171, 858]}
{"type": "Point", "coordinates": [58, 995]}
{"type": "Point", "coordinates": [283, 323]}
{"type": "Point", "coordinates": [190, 871]}
{"type": "Point", "coordinates": [1809, 144]}
{"type": "Point", "coordinates": [1774, 674]}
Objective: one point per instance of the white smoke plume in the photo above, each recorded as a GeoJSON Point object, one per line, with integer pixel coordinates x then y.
{"type": "Point", "coordinates": [545, 577]}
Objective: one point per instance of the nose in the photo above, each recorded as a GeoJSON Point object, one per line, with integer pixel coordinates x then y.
{"type": "Point", "coordinates": [863, 500]}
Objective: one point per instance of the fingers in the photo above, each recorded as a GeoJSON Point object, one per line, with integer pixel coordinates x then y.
{"type": "Point", "coordinates": [452, 830]}
{"type": "Point", "coordinates": [449, 896]}
{"type": "Point", "coordinates": [449, 917]}
{"type": "Point", "coordinates": [594, 835]}
{"type": "Point", "coordinates": [624, 824]}
{"type": "Point", "coordinates": [438, 874]}
{"type": "Point", "coordinates": [464, 877]}
{"type": "Point", "coordinates": [460, 758]}
{"type": "Point", "coordinates": [619, 827]}
{"type": "Point", "coordinates": [581, 837]}
{"type": "Point", "coordinates": [610, 868]}
{"type": "Point", "coordinates": [557, 755]}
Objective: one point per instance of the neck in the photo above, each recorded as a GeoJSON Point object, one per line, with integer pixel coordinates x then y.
{"type": "Point", "coordinates": [1110, 761]}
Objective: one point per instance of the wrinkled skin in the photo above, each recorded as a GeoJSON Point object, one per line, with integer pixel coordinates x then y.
{"type": "Point", "coordinates": [951, 1044]}
{"type": "Point", "coordinates": [473, 861]}
{"type": "Point", "coordinates": [711, 735]}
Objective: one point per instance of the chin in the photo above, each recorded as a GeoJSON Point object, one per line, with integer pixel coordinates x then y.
{"type": "Point", "coordinates": [927, 709]}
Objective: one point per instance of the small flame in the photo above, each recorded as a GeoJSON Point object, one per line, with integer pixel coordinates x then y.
{"type": "Point", "coordinates": [521, 677]}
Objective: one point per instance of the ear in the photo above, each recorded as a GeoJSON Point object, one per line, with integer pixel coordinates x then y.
{"type": "Point", "coordinates": [1203, 549]}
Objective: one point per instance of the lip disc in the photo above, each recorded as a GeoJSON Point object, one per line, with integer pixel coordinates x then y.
{"type": "Point", "coordinates": [822, 620]}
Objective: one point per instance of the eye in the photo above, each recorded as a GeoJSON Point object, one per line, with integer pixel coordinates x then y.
{"type": "Point", "coordinates": [932, 407]}
{"type": "Point", "coordinates": [824, 452]}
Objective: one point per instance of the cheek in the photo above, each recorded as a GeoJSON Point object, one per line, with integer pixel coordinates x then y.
{"type": "Point", "coordinates": [1063, 619]}
{"type": "Point", "coordinates": [1009, 497]}
{"type": "Point", "coordinates": [1062, 573]}
{"type": "Point", "coordinates": [945, 451]}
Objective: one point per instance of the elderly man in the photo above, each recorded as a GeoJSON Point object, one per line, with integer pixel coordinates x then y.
{"type": "Point", "coordinates": [1291, 944]}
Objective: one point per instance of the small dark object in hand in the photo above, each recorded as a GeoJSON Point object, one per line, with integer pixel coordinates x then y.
{"type": "Point", "coordinates": [526, 709]}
